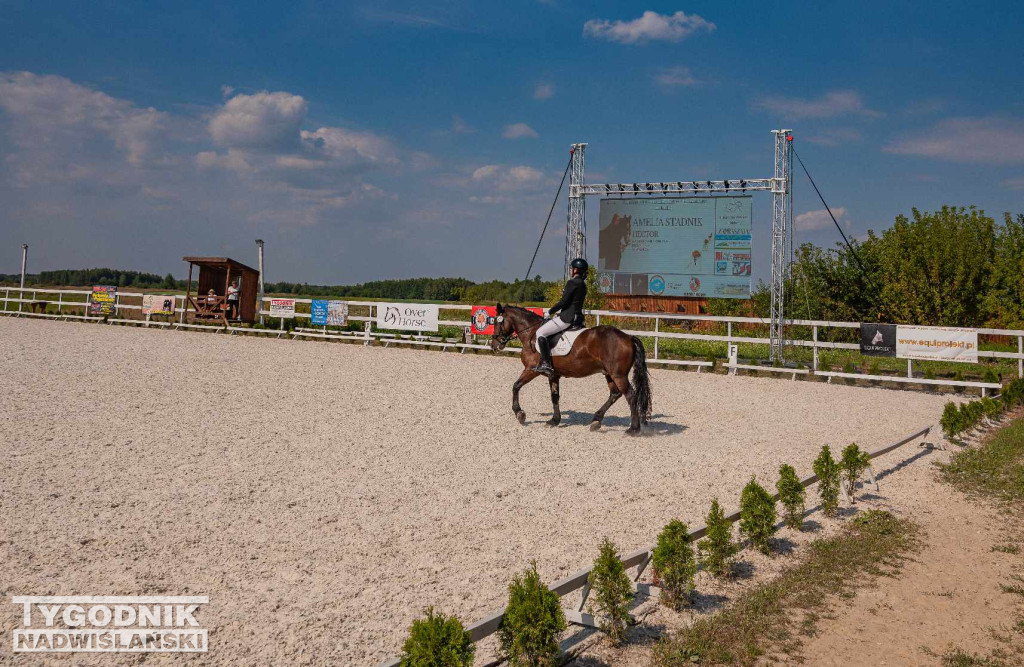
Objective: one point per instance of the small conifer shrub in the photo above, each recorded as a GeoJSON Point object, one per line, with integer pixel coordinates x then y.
{"type": "Point", "coordinates": [853, 464]}
{"type": "Point", "coordinates": [611, 592]}
{"type": "Point", "coordinates": [757, 516]}
{"type": "Point", "coordinates": [827, 470]}
{"type": "Point", "coordinates": [951, 421]}
{"type": "Point", "coordinates": [437, 641]}
{"type": "Point", "coordinates": [791, 495]}
{"type": "Point", "coordinates": [675, 565]}
{"type": "Point", "coordinates": [717, 548]}
{"type": "Point", "coordinates": [533, 620]}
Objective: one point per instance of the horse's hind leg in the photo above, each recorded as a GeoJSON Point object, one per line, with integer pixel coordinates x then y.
{"type": "Point", "coordinates": [556, 415]}
{"type": "Point", "coordinates": [526, 376]}
{"type": "Point", "coordinates": [613, 395]}
{"type": "Point", "coordinates": [622, 382]}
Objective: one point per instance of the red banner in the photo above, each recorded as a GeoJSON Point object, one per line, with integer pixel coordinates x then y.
{"type": "Point", "coordinates": [482, 319]}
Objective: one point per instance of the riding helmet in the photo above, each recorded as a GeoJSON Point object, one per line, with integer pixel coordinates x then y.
{"type": "Point", "coordinates": [579, 263]}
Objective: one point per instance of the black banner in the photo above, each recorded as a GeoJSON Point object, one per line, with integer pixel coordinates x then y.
{"type": "Point", "coordinates": [878, 340]}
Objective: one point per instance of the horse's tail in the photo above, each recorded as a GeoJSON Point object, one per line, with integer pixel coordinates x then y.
{"type": "Point", "coordinates": [641, 382]}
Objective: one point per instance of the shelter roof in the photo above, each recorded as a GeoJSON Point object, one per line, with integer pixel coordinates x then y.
{"type": "Point", "coordinates": [219, 262]}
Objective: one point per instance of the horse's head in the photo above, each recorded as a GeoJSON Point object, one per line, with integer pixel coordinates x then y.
{"type": "Point", "coordinates": [503, 330]}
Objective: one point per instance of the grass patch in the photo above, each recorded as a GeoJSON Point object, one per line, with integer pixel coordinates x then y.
{"type": "Point", "coordinates": [996, 469]}
{"type": "Point", "coordinates": [1006, 548]}
{"type": "Point", "coordinates": [960, 658]}
{"type": "Point", "coordinates": [773, 615]}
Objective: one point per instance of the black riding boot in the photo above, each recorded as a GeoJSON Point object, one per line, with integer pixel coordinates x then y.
{"type": "Point", "coordinates": [544, 367]}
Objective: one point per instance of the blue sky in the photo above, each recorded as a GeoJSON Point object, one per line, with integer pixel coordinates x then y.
{"type": "Point", "coordinates": [391, 139]}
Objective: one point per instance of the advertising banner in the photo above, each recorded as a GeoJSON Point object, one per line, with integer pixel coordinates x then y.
{"type": "Point", "coordinates": [686, 246]}
{"type": "Point", "coordinates": [482, 319]}
{"type": "Point", "coordinates": [878, 340]}
{"type": "Point", "coordinates": [102, 300]}
{"type": "Point", "coordinates": [328, 313]}
{"type": "Point", "coordinates": [936, 343]}
{"type": "Point", "coordinates": [282, 307]}
{"type": "Point", "coordinates": [157, 304]}
{"type": "Point", "coordinates": [407, 316]}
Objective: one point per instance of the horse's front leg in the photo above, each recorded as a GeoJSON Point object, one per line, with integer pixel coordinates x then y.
{"type": "Point", "coordinates": [556, 415]}
{"type": "Point", "coordinates": [526, 376]}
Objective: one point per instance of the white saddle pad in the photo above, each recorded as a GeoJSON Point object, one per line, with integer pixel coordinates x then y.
{"type": "Point", "coordinates": [564, 344]}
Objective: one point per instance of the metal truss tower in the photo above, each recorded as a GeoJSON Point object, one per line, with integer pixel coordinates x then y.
{"type": "Point", "coordinates": [782, 222]}
{"type": "Point", "coordinates": [576, 228]}
{"type": "Point", "coordinates": [781, 187]}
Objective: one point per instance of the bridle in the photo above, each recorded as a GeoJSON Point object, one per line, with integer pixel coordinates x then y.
{"type": "Point", "coordinates": [503, 340]}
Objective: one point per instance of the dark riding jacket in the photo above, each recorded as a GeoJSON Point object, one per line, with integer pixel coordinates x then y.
{"type": "Point", "coordinates": [571, 303]}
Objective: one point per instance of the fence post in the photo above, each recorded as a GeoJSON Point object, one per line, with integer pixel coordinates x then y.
{"type": "Point", "coordinates": [814, 335]}
{"type": "Point", "coordinates": [60, 301]}
{"type": "Point", "coordinates": [910, 368]}
{"type": "Point", "coordinates": [1020, 357]}
{"type": "Point", "coordinates": [657, 330]}
{"type": "Point", "coordinates": [7, 296]}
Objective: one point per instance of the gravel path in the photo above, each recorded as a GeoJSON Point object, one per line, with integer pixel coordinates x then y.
{"type": "Point", "coordinates": [322, 494]}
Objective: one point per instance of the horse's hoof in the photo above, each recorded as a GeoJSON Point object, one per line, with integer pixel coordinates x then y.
{"type": "Point", "coordinates": [551, 422]}
{"type": "Point", "coordinates": [633, 431]}
{"type": "Point", "coordinates": [595, 425]}
{"type": "Point", "coordinates": [521, 416]}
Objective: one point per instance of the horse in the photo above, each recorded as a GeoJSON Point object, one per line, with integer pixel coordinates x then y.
{"type": "Point", "coordinates": [600, 349]}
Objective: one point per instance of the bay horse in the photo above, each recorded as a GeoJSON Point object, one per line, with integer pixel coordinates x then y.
{"type": "Point", "coordinates": [601, 349]}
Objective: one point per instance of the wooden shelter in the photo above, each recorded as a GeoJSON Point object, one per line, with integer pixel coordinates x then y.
{"type": "Point", "coordinates": [216, 273]}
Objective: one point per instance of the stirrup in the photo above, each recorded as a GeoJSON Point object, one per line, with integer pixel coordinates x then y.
{"type": "Point", "coordinates": [544, 369]}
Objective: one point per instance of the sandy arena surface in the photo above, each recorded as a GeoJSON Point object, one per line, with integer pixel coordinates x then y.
{"type": "Point", "coordinates": [322, 494]}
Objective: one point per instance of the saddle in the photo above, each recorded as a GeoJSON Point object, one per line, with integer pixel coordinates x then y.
{"type": "Point", "coordinates": [561, 343]}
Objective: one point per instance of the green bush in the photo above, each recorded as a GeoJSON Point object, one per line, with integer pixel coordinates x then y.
{"type": "Point", "coordinates": [951, 421]}
{"type": "Point", "coordinates": [611, 591]}
{"type": "Point", "coordinates": [757, 516]}
{"type": "Point", "coordinates": [852, 466]}
{"type": "Point", "coordinates": [533, 620]}
{"type": "Point", "coordinates": [990, 407]}
{"type": "Point", "coordinates": [989, 375]}
{"type": "Point", "coordinates": [717, 548]}
{"type": "Point", "coordinates": [675, 565]}
{"type": "Point", "coordinates": [827, 470]}
{"type": "Point", "coordinates": [791, 495]}
{"type": "Point", "coordinates": [437, 641]}
{"type": "Point", "coordinates": [848, 367]}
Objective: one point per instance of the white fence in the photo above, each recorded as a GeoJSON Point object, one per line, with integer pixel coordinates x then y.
{"type": "Point", "coordinates": [64, 303]}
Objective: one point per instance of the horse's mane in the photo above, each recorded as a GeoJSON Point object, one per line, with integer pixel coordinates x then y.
{"type": "Point", "coordinates": [526, 311]}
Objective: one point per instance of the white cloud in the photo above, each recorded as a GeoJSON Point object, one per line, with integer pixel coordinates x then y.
{"type": "Point", "coordinates": [834, 136]}
{"type": "Point", "coordinates": [460, 126]}
{"type": "Point", "coordinates": [485, 172]}
{"type": "Point", "coordinates": [349, 147]}
{"type": "Point", "coordinates": [263, 121]}
{"type": "Point", "coordinates": [55, 111]}
{"type": "Point", "coordinates": [543, 91]}
{"type": "Point", "coordinates": [820, 219]}
{"type": "Point", "coordinates": [519, 131]}
{"type": "Point", "coordinates": [674, 77]}
{"type": "Point", "coordinates": [1014, 183]}
{"type": "Point", "coordinates": [508, 178]}
{"type": "Point", "coordinates": [829, 105]}
{"type": "Point", "coordinates": [651, 26]}
{"type": "Point", "coordinates": [985, 140]}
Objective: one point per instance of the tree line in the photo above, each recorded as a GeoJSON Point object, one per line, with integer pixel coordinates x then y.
{"type": "Point", "coordinates": [952, 267]}
{"type": "Point", "coordinates": [411, 289]}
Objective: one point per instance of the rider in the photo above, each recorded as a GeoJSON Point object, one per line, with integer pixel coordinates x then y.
{"type": "Point", "coordinates": [571, 307]}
